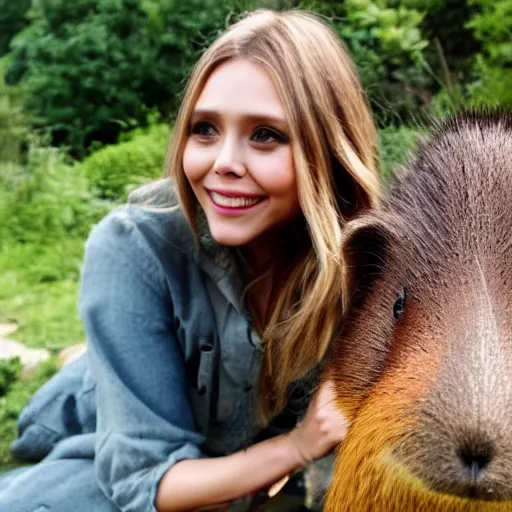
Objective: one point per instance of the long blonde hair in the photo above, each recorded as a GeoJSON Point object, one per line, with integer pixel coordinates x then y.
{"type": "Point", "coordinates": [334, 146]}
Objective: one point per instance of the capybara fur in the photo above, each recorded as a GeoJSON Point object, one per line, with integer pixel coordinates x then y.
{"type": "Point", "coordinates": [423, 368]}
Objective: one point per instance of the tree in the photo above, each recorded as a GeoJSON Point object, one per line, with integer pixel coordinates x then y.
{"type": "Point", "coordinates": [12, 20]}
{"type": "Point", "coordinates": [92, 68]}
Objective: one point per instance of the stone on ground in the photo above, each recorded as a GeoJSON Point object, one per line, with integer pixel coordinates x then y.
{"type": "Point", "coordinates": [30, 357]}
{"type": "Point", "coordinates": [7, 329]}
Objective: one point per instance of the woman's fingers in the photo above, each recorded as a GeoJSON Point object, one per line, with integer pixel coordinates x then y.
{"type": "Point", "coordinates": [323, 427]}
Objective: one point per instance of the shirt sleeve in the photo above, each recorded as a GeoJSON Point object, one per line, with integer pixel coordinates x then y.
{"type": "Point", "coordinates": [144, 416]}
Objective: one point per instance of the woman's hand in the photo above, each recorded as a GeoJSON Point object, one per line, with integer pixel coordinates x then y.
{"type": "Point", "coordinates": [248, 471]}
{"type": "Point", "coordinates": [323, 427]}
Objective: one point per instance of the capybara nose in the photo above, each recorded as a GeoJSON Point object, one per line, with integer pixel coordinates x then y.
{"type": "Point", "coordinates": [475, 456]}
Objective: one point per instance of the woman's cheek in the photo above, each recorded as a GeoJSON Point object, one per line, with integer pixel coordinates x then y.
{"type": "Point", "coordinates": [197, 161]}
{"type": "Point", "coordinates": [275, 172]}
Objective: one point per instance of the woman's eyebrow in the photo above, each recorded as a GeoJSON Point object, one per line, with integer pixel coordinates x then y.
{"type": "Point", "coordinates": [255, 117]}
{"type": "Point", "coordinates": [204, 113]}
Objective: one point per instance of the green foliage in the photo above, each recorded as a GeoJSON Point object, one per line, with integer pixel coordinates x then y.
{"type": "Point", "coordinates": [46, 212]}
{"type": "Point", "coordinates": [493, 87]}
{"type": "Point", "coordinates": [492, 26]}
{"type": "Point", "coordinates": [395, 27]}
{"type": "Point", "coordinates": [449, 100]}
{"type": "Point", "coordinates": [113, 170]}
{"type": "Point", "coordinates": [12, 20]}
{"type": "Point", "coordinates": [9, 372]}
{"type": "Point", "coordinates": [13, 124]}
{"type": "Point", "coordinates": [396, 145]}
{"type": "Point", "coordinates": [387, 45]}
{"type": "Point", "coordinates": [45, 200]}
{"type": "Point", "coordinates": [93, 68]}
{"type": "Point", "coordinates": [444, 23]}
{"type": "Point", "coordinates": [18, 395]}
{"type": "Point", "coordinates": [82, 65]}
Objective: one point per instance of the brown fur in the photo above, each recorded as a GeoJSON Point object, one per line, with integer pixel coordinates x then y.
{"type": "Point", "coordinates": [430, 394]}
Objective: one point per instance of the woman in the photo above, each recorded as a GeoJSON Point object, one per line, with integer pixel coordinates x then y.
{"type": "Point", "coordinates": [208, 321]}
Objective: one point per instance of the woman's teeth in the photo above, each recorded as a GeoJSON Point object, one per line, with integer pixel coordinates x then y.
{"type": "Point", "coordinates": [233, 202]}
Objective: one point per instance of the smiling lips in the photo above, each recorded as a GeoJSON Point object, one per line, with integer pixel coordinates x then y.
{"type": "Point", "coordinates": [234, 201]}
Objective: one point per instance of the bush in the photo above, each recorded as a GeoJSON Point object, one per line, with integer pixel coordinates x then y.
{"type": "Point", "coordinates": [95, 68]}
{"type": "Point", "coordinates": [113, 170]}
{"type": "Point", "coordinates": [492, 27]}
{"type": "Point", "coordinates": [12, 20]}
{"type": "Point", "coordinates": [45, 200]}
{"type": "Point", "coordinates": [444, 23]}
{"type": "Point", "coordinates": [13, 122]}
{"type": "Point", "coordinates": [387, 45]}
{"type": "Point", "coordinates": [396, 145]}
{"type": "Point", "coordinates": [493, 87]}
{"type": "Point", "coordinates": [9, 372]}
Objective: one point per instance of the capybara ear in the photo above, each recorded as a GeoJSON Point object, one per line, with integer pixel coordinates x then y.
{"type": "Point", "coordinates": [365, 250]}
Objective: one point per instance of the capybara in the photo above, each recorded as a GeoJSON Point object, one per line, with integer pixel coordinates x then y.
{"type": "Point", "coordinates": [423, 368]}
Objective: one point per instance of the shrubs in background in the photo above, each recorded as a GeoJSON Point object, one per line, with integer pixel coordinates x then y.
{"type": "Point", "coordinates": [94, 68]}
{"type": "Point", "coordinates": [492, 27]}
{"type": "Point", "coordinates": [114, 170]}
{"type": "Point", "coordinates": [13, 121]}
{"type": "Point", "coordinates": [9, 371]}
{"type": "Point", "coordinates": [386, 42]}
{"type": "Point", "coordinates": [12, 20]}
{"type": "Point", "coordinates": [396, 144]}
{"type": "Point", "coordinates": [45, 200]}
{"type": "Point", "coordinates": [84, 66]}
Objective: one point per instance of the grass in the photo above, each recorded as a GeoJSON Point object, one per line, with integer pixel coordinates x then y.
{"type": "Point", "coordinates": [38, 291]}
{"type": "Point", "coordinates": [12, 400]}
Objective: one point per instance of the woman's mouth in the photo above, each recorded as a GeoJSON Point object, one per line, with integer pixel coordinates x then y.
{"type": "Point", "coordinates": [233, 201]}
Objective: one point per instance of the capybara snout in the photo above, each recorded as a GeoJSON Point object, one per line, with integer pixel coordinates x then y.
{"type": "Point", "coordinates": [423, 368]}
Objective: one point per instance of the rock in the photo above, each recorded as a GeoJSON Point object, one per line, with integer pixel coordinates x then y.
{"type": "Point", "coordinates": [7, 329]}
{"type": "Point", "coordinates": [29, 357]}
{"type": "Point", "coordinates": [70, 354]}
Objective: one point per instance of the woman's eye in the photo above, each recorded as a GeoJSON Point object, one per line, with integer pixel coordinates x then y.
{"type": "Point", "coordinates": [203, 129]}
{"type": "Point", "coordinates": [267, 136]}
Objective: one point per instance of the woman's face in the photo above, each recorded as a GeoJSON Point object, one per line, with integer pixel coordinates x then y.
{"type": "Point", "coordinates": [238, 156]}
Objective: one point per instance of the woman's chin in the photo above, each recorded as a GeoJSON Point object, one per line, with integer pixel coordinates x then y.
{"type": "Point", "coordinates": [231, 236]}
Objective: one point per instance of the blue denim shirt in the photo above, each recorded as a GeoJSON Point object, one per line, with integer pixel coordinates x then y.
{"type": "Point", "coordinates": [173, 362]}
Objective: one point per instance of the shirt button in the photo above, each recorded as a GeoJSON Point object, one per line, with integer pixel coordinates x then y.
{"type": "Point", "coordinates": [247, 387]}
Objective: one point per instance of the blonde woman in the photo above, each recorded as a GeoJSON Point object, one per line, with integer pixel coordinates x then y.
{"type": "Point", "coordinates": [208, 320]}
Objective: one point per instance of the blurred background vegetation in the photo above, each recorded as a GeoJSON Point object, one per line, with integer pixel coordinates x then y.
{"type": "Point", "coordinates": [89, 88]}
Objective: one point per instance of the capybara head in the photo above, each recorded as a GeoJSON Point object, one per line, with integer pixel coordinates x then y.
{"type": "Point", "coordinates": [423, 368]}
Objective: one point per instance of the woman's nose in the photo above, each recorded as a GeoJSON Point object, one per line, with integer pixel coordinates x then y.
{"type": "Point", "coordinates": [230, 160]}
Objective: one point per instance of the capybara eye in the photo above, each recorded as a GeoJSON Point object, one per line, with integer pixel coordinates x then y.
{"type": "Point", "coordinates": [399, 306]}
